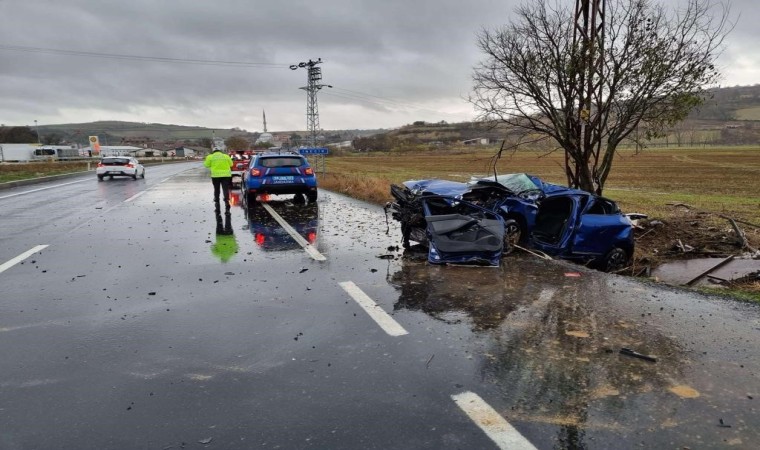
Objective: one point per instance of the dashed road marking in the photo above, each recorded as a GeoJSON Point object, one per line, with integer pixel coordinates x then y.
{"type": "Point", "coordinates": [492, 423]}
{"type": "Point", "coordinates": [135, 196]}
{"type": "Point", "coordinates": [313, 252]}
{"type": "Point", "coordinates": [7, 265]}
{"type": "Point", "coordinates": [377, 314]}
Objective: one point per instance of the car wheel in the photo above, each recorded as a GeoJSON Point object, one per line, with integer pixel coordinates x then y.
{"type": "Point", "coordinates": [312, 196]}
{"type": "Point", "coordinates": [250, 200]}
{"type": "Point", "coordinates": [100, 177]}
{"type": "Point", "coordinates": [134, 175]}
{"type": "Point", "coordinates": [512, 235]}
{"type": "Point", "coordinates": [143, 175]}
{"type": "Point", "coordinates": [616, 259]}
{"type": "Point", "coordinates": [299, 199]}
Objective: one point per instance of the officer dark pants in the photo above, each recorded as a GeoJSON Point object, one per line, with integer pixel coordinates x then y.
{"type": "Point", "coordinates": [224, 183]}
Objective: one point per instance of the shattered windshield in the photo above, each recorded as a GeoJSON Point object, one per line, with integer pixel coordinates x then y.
{"type": "Point", "coordinates": [517, 182]}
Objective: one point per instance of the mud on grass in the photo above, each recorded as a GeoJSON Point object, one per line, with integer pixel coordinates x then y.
{"type": "Point", "coordinates": [686, 234]}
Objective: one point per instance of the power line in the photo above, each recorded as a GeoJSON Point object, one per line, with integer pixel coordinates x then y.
{"type": "Point", "coordinates": [341, 93]}
{"type": "Point", "coordinates": [79, 53]}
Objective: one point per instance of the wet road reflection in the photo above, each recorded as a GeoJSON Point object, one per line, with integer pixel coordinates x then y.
{"type": "Point", "coordinates": [550, 348]}
{"type": "Point", "coordinates": [269, 235]}
{"type": "Point", "coordinates": [225, 246]}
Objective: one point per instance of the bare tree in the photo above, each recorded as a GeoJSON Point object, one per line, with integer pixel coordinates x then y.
{"type": "Point", "coordinates": [237, 143]}
{"type": "Point", "coordinates": [651, 68]}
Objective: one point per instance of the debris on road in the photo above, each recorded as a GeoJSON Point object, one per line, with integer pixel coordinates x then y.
{"type": "Point", "coordinates": [632, 353]}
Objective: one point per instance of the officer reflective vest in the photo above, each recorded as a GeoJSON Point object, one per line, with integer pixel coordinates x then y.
{"type": "Point", "coordinates": [219, 163]}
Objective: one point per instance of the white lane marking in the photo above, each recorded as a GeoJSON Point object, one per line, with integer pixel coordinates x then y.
{"type": "Point", "coordinates": [377, 314]}
{"type": "Point", "coordinates": [313, 252]}
{"type": "Point", "coordinates": [496, 427]}
{"type": "Point", "coordinates": [135, 196]}
{"type": "Point", "coordinates": [42, 189]}
{"type": "Point", "coordinates": [7, 265]}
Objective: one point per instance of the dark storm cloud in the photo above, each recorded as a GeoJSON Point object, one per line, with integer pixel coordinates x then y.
{"type": "Point", "coordinates": [390, 62]}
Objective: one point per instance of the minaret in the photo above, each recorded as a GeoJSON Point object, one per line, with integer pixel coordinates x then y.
{"type": "Point", "coordinates": [265, 121]}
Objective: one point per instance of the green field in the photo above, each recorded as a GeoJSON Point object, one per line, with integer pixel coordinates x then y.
{"type": "Point", "coordinates": [748, 113]}
{"type": "Point", "coordinates": [721, 179]}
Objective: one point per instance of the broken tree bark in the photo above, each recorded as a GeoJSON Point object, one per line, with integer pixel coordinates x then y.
{"type": "Point", "coordinates": [740, 235]}
{"type": "Point", "coordinates": [739, 221]}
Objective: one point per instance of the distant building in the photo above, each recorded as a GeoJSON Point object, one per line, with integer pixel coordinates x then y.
{"type": "Point", "coordinates": [218, 143]}
{"type": "Point", "coordinates": [477, 141]}
{"type": "Point", "coordinates": [115, 150]}
{"type": "Point", "coordinates": [281, 139]}
{"type": "Point", "coordinates": [184, 152]}
{"type": "Point", "coordinates": [265, 138]}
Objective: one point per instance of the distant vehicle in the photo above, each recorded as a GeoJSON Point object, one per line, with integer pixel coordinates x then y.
{"type": "Point", "coordinates": [56, 152]}
{"type": "Point", "coordinates": [240, 161]}
{"type": "Point", "coordinates": [16, 152]}
{"type": "Point", "coordinates": [567, 223]}
{"type": "Point", "coordinates": [119, 166]}
{"type": "Point", "coordinates": [279, 173]}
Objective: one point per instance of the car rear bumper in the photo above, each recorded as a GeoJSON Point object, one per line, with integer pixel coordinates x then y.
{"type": "Point", "coordinates": [282, 189]}
{"type": "Point", "coordinates": [117, 173]}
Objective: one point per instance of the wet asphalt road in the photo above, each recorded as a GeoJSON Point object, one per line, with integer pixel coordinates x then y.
{"type": "Point", "coordinates": [139, 327]}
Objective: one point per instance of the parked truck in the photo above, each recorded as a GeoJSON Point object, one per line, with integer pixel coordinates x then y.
{"type": "Point", "coordinates": [17, 152]}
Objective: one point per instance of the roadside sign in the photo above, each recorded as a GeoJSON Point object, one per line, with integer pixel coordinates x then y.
{"type": "Point", "coordinates": [313, 151]}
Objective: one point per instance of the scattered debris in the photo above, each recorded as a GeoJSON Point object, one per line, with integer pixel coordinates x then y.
{"type": "Point", "coordinates": [206, 441]}
{"type": "Point", "coordinates": [386, 256]}
{"type": "Point", "coordinates": [573, 274]}
{"type": "Point", "coordinates": [303, 269]}
{"type": "Point", "coordinates": [427, 364]}
{"type": "Point", "coordinates": [634, 354]}
{"type": "Point", "coordinates": [723, 424]}
{"type": "Point", "coordinates": [713, 268]}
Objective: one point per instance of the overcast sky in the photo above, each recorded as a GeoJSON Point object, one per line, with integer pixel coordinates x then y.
{"type": "Point", "coordinates": [390, 62]}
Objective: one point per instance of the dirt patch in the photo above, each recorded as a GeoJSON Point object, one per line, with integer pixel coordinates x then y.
{"type": "Point", "coordinates": [687, 233]}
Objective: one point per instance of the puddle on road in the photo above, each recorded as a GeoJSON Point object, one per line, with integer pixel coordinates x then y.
{"type": "Point", "coordinates": [551, 347]}
{"type": "Point", "coordinates": [681, 272]}
{"type": "Point", "coordinates": [269, 235]}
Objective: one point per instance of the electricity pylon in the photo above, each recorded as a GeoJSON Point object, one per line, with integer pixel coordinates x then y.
{"type": "Point", "coordinates": [314, 77]}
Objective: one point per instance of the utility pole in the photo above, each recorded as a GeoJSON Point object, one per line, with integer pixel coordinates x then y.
{"type": "Point", "coordinates": [313, 78]}
{"type": "Point", "coordinates": [37, 130]}
{"type": "Point", "coordinates": [588, 38]}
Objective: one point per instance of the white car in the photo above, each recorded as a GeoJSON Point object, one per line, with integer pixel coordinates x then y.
{"type": "Point", "coordinates": [120, 166]}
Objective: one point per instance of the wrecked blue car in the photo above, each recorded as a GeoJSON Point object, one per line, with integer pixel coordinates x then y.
{"type": "Point", "coordinates": [562, 222]}
{"type": "Point", "coordinates": [453, 230]}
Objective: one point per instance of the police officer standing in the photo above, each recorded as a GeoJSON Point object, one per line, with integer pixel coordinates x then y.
{"type": "Point", "coordinates": [221, 176]}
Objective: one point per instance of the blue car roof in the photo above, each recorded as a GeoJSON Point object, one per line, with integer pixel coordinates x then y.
{"type": "Point", "coordinates": [438, 187]}
{"type": "Point", "coordinates": [516, 182]}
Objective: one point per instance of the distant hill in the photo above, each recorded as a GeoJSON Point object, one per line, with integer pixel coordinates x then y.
{"type": "Point", "coordinates": [117, 132]}
{"type": "Point", "coordinates": [731, 103]}
{"type": "Point", "coordinates": [730, 117]}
